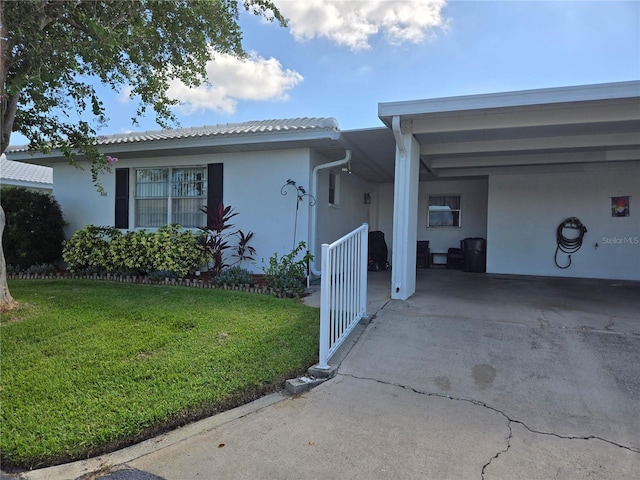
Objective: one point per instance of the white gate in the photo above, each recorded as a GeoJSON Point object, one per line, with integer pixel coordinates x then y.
{"type": "Point", "coordinates": [343, 290]}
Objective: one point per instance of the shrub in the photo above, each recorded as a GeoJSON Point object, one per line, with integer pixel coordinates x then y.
{"type": "Point", "coordinates": [88, 249]}
{"type": "Point", "coordinates": [138, 252]}
{"type": "Point", "coordinates": [34, 231]}
{"type": "Point", "coordinates": [175, 250]}
{"type": "Point", "coordinates": [42, 269]}
{"type": "Point", "coordinates": [132, 252]}
{"type": "Point", "coordinates": [234, 275]}
{"type": "Point", "coordinates": [286, 274]}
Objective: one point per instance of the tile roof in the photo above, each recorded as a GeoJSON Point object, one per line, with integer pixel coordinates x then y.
{"type": "Point", "coordinates": [229, 129]}
{"type": "Point", "coordinates": [258, 127]}
{"type": "Point", "coordinates": [24, 172]}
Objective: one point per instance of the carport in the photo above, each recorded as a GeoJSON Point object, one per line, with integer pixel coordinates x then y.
{"type": "Point", "coordinates": [544, 147]}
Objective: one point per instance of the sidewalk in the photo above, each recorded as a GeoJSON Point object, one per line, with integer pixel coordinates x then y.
{"type": "Point", "coordinates": [475, 376]}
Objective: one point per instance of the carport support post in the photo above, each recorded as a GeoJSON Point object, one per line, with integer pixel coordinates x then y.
{"type": "Point", "coordinates": [405, 211]}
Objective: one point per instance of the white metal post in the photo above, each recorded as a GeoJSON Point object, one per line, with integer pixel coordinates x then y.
{"type": "Point", "coordinates": [325, 285]}
{"type": "Point", "coordinates": [364, 252]}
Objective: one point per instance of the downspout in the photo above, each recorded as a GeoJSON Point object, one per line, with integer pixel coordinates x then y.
{"type": "Point", "coordinates": [314, 214]}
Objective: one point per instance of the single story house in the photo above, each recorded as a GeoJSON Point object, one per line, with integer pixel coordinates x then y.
{"type": "Point", "coordinates": [509, 168]}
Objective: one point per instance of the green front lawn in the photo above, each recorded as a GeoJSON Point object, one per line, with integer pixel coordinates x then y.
{"type": "Point", "coordinates": [91, 366]}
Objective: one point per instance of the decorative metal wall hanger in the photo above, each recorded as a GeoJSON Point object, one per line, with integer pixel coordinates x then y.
{"type": "Point", "coordinates": [300, 194]}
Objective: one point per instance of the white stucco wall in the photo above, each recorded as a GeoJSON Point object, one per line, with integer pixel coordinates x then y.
{"type": "Point", "coordinates": [335, 221]}
{"type": "Point", "coordinates": [79, 200]}
{"type": "Point", "coordinates": [525, 211]}
{"type": "Point", "coordinates": [252, 183]}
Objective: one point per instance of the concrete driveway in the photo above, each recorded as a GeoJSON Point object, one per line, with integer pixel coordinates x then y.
{"type": "Point", "coordinates": [476, 376]}
{"type": "Point", "coordinates": [555, 361]}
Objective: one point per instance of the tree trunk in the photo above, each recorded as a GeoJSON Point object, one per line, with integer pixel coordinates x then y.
{"type": "Point", "coordinates": [6, 300]}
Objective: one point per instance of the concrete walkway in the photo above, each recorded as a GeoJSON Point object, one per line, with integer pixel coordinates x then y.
{"type": "Point", "coordinates": [475, 377]}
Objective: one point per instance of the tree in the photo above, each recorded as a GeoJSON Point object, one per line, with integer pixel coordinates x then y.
{"type": "Point", "coordinates": [6, 300]}
{"type": "Point", "coordinates": [52, 52]}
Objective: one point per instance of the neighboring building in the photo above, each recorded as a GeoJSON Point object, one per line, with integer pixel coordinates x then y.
{"type": "Point", "coordinates": [32, 177]}
{"type": "Point", "coordinates": [507, 167]}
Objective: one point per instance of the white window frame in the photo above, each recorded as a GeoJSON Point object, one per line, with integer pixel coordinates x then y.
{"type": "Point", "coordinates": [170, 197]}
{"type": "Point", "coordinates": [438, 209]}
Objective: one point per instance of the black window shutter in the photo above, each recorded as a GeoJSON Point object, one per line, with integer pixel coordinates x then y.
{"type": "Point", "coordinates": [122, 198]}
{"type": "Point", "coordinates": [214, 185]}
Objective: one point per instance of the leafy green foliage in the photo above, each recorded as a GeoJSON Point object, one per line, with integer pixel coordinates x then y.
{"type": "Point", "coordinates": [88, 249]}
{"type": "Point", "coordinates": [91, 366]}
{"type": "Point", "coordinates": [289, 272]}
{"type": "Point", "coordinates": [42, 269]}
{"type": "Point", "coordinates": [217, 235]}
{"type": "Point", "coordinates": [34, 231]}
{"type": "Point", "coordinates": [52, 50]}
{"type": "Point", "coordinates": [137, 252]}
{"type": "Point", "coordinates": [168, 249]}
{"type": "Point", "coordinates": [234, 275]}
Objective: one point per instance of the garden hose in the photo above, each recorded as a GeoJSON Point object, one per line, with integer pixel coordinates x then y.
{"type": "Point", "coordinates": [569, 245]}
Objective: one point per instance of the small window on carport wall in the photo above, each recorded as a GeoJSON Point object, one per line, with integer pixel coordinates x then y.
{"type": "Point", "coordinates": [444, 211]}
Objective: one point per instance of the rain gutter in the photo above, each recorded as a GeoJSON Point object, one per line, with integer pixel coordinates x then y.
{"type": "Point", "coordinates": [314, 215]}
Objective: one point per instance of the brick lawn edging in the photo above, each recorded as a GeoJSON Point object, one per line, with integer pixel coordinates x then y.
{"type": "Point", "coordinates": [181, 282]}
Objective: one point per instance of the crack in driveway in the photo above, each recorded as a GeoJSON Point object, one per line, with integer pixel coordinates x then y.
{"type": "Point", "coordinates": [484, 467]}
{"type": "Point", "coordinates": [509, 420]}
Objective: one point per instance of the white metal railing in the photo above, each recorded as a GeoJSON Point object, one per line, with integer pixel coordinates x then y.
{"type": "Point", "coordinates": [343, 290]}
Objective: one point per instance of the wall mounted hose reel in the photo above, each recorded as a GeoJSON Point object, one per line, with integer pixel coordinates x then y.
{"type": "Point", "coordinates": [569, 236]}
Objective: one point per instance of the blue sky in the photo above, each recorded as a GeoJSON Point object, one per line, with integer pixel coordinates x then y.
{"type": "Point", "coordinates": [340, 59]}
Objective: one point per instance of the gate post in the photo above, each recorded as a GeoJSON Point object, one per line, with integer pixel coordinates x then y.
{"type": "Point", "coordinates": [325, 285]}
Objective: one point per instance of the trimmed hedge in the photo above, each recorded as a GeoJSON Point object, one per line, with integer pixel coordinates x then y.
{"type": "Point", "coordinates": [95, 249]}
{"type": "Point", "coordinates": [34, 231]}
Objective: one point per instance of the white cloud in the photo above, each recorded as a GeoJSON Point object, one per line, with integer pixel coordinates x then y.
{"type": "Point", "coordinates": [231, 79]}
{"type": "Point", "coordinates": [353, 22]}
{"type": "Point", "coordinates": [124, 95]}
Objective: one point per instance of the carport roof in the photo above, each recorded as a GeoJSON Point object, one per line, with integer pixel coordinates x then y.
{"type": "Point", "coordinates": [554, 129]}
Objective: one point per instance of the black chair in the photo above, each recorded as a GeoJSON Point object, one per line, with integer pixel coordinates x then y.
{"type": "Point", "coordinates": [455, 257]}
{"type": "Point", "coordinates": [422, 254]}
